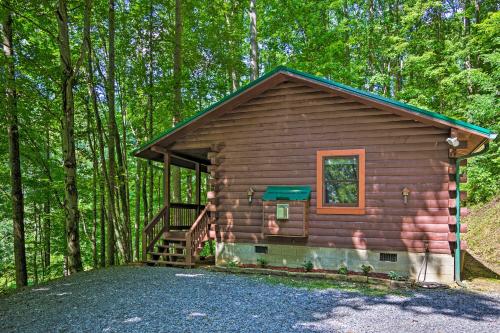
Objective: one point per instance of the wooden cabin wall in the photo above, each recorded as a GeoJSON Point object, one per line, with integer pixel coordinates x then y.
{"type": "Point", "coordinates": [273, 139]}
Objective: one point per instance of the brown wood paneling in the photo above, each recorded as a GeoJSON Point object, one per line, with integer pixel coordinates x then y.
{"type": "Point", "coordinates": [272, 140]}
{"type": "Point", "coordinates": [295, 225]}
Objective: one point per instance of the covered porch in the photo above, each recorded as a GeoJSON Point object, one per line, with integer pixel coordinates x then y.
{"type": "Point", "coordinates": [177, 233]}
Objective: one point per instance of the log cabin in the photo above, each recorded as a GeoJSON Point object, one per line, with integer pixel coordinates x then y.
{"type": "Point", "coordinates": [306, 170]}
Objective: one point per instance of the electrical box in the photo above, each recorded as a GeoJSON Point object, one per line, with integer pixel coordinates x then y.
{"type": "Point", "coordinates": [285, 211]}
{"type": "Point", "coordinates": [282, 211]}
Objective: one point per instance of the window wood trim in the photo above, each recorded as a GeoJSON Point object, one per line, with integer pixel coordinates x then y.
{"type": "Point", "coordinates": [320, 207]}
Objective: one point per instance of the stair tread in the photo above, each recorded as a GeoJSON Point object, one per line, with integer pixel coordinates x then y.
{"type": "Point", "coordinates": [167, 254]}
{"type": "Point", "coordinates": [172, 246]}
{"type": "Point", "coordinates": [178, 239]}
{"type": "Point", "coordinates": [164, 262]}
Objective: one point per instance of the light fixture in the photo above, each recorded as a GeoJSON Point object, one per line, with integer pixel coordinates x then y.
{"type": "Point", "coordinates": [405, 193]}
{"type": "Point", "coordinates": [250, 193]}
{"type": "Point", "coordinates": [453, 141]}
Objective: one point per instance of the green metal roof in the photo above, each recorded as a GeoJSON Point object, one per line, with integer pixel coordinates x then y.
{"type": "Point", "coordinates": [287, 193]}
{"type": "Point", "coordinates": [413, 109]}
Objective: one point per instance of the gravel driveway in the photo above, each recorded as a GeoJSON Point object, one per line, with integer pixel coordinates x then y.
{"type": "Point", "coordinates": [154, 299]}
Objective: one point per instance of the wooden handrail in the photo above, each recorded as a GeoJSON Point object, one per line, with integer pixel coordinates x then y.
{"type": "Point", "coordinates": [197, 233]}
{"type": "Point", "coordinates": [153, 231]}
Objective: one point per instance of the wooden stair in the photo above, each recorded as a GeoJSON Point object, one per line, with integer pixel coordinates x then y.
{"type": "Point", "coordinates": [170, 250]}
{"type": "Point", "coordinates": [178, 247]}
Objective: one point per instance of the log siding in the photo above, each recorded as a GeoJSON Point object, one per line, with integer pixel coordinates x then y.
{"type": "Point", "coordinates": [273, 139]}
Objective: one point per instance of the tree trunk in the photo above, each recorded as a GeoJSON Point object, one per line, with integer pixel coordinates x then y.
{"type": "Point", "coordinates": [14, 156]}
{"type": "Point", "coordinates": [104, 179]}
{"type": "Point", "coordinates": [95, 167]}
{"type": "Point", "coordinates": [145, 206]}
{"type": "Point", "coordinates": [176, 175]}
{"type": "Point", "coordinates": [36, 243]}
{"type": "Point", "coordinates": [72, 214]}
{"type": "Point", "coordinates": [137, 210]}
{"type": "Point", "coordinates": [47, 218]}
{"type": "Point", "coordinates": [112, 223]}
{"type": "Point", "coordinates": [102, 262]}
{"type": "Point", "coordinates": [148, 125]}
{"type": "Point", "coordinates": [254, 48]}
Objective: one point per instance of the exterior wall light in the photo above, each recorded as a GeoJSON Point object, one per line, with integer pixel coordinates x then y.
{"type": "Point", "coordinates": [405, 193]}
{"type": "Point", "coordinates": [250, 193]}
{"type": "Point", "coordinates": [453, 141]}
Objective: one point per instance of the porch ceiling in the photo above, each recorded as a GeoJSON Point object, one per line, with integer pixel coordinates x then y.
{"type": "Point", "coordinates": [182, 158]}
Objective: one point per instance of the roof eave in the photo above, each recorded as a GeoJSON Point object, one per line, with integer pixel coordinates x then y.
{"type": "Point", "coordinates": [417, 112]}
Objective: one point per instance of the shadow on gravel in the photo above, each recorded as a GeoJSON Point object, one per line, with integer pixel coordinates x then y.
{"type": "Point", "coordinates": [458, 304]}
{"type": "Point", "coordinates": [147, 299]}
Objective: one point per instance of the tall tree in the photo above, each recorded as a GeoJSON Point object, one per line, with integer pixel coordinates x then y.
{"type": "Point", "coordinates": [254, 48]}
{"type": "Point", "coordinates": [72, 214]}
{"type": "Point", "coordinates": [14, 153]}
{"type": "Point", "coordinates": [112, 223]}
{"type": "Point", "coordinates": [177, 113]}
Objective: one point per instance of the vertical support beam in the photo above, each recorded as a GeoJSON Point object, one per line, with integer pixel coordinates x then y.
{"type": "Point", "coordinates": [166, 187]}
{"type": "Point", "coordinates": [166, 179]}
{"type": "Point", "coordinates": [198, 187]}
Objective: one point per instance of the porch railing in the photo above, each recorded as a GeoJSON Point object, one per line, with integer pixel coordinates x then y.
{"type": "Point", "coordinates": [182, 216]}
{"type": "Point", "coordinates": [153, 231]}
{"type": "Point", "coordinates": [197, 233]}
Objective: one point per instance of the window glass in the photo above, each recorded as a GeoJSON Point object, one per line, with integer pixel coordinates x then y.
{"type": "Point", "coordinates": [341, 180]}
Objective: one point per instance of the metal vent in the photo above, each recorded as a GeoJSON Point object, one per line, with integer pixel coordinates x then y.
{"type": "Point", "coordinates": [261, 249]}
{"type": "Point", "coordinates": [391, 257]}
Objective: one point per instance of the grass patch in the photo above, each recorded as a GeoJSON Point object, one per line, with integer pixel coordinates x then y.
{"type": "Point", "coordinates": [483, 236]}
{"type": "Point", "coordinates": [324, 284]}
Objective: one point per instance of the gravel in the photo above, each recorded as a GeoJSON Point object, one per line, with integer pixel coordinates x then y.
{"type": "Point", "coordinates": [155, 299]}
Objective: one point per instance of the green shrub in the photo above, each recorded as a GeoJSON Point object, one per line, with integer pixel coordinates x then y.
{"type": "Point", "coordinates": [232, 263]}
{"type": "Point", "coordinates": [262, 262]}
{"type": "Point", "coordinates": [366, 269]}
{"type": "Point", "coordinates": [343, 269]}
{"type": "Point", "coordinates": [208, 249]}
{"type": "Point", "coordinates": [308, 265]}
{"type": "Point", "coordinates": [396, 276]}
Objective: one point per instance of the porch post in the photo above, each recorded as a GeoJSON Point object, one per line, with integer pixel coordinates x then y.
{"type": "Point", "coordinates": [198, 186]}
{"type": "Point", "coordinates": [166, 179]}
{"type": "Point", "coordinates": [166, 186]}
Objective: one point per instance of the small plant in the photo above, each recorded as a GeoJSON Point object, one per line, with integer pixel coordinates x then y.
{"type": "Point", "coordinates": [262, 262]}
{"type": "Point", "coordinates": [232, 263]}
{"type": "Point", "coordinates": [308, 265]}
{"type": "Point", "coordinates": [342, 269]}
{"type": "Point", "coordinates": [366, 270]}
{"type": "Point", "coordinates": [396, 276]}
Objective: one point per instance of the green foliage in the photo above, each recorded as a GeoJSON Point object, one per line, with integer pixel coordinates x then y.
{"type": "Point", "coordinates": [208, 249]}
{"type": "Point", "coordinates": [415, 51]}
{"type": "Point", "coordinates": [233, 263]}
{"type": "Point", "coordinates": [366, 269]}
{"type": "Point", "coordinates": [308, 265]}
{"type": "Point", "coordinates": [263, 262]}
{"type": "Point", "coordinates": [483, 224]}
{"type": "Point", "coordinates": [342, 269]}
{"type": "Point", "coordinates": [396, 276]}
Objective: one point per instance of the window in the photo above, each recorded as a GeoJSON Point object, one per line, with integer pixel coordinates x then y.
{"type": "Point", "coordinates": [340, 181]}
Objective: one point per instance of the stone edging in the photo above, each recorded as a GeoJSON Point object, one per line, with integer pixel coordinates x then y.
{"type": "Point", "coordinates": [315, 275]}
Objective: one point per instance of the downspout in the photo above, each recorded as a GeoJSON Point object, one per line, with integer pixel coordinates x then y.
{"type": "Point", "coordinates": [457, 214]}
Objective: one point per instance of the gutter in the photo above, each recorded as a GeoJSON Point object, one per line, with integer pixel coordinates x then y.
{"type": "Point", "coordinates": [457, 213]}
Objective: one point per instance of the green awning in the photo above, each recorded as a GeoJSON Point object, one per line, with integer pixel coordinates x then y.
{"type": "Point", "coordinates": [287, 193]}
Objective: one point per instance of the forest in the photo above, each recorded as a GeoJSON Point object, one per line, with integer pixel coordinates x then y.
{"type": "Point", "coordinates": [84, 83]}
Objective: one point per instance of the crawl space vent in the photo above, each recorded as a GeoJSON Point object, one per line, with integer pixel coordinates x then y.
{"type": "Point", "coordinates": [261, 249]}
{"type": "Point", "coordinates": [391, 257]}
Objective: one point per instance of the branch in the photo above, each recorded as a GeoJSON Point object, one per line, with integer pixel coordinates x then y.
{"type": "Point", "coordinates": [3, 4]}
